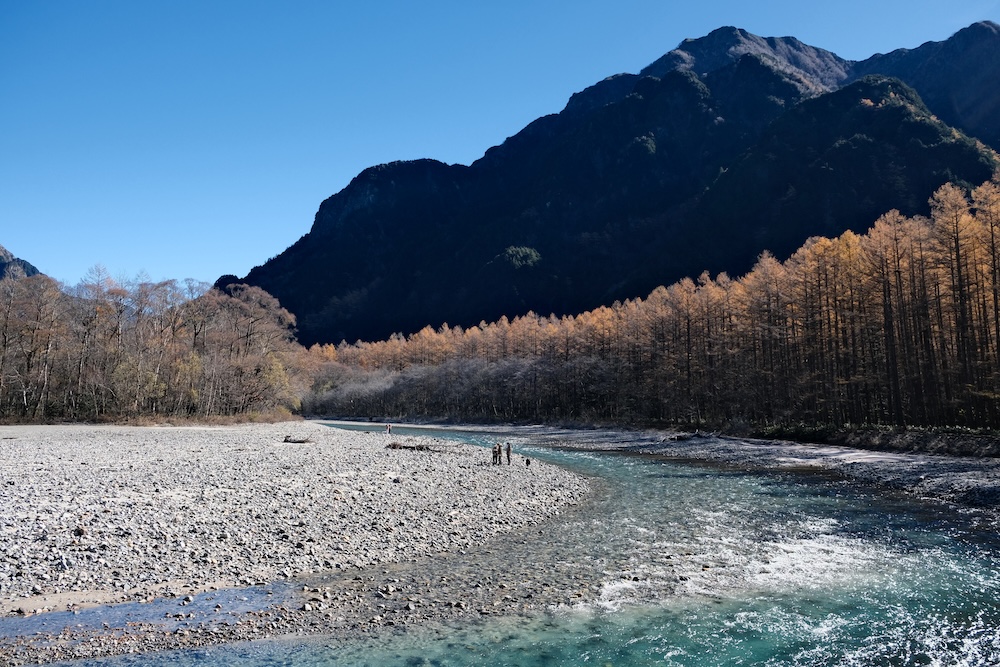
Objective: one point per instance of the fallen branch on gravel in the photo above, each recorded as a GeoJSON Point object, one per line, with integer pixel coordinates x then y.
{"type": "Point", "coordinates": [399, 445]}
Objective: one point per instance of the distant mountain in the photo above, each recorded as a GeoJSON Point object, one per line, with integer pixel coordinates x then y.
{"type": "Point", "coordinates": [726, 146]}
{"type": "Point", "coordinates": [13, 267]}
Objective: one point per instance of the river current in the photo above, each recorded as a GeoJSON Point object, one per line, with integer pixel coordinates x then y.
{"type": "Point", "coordinates": [691, 564]}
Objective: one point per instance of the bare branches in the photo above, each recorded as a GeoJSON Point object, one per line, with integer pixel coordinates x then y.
{"type": "Point", "coordinates": [110, 350]}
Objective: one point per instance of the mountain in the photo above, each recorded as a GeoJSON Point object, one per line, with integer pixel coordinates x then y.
{"type": "Point", "coordinates": [726, 146]}
{"type": "Point", "coordinates": [13, 267]}
{"type": "Point", "coordinates": [956, 78]}
{"type": "Point", "coordinates": [833, 163]}
{"type": "Point", "coordinates": [813, 69]}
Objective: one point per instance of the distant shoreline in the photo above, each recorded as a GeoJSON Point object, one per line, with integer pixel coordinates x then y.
{"type": "Point", "coordinates": [937, 474]}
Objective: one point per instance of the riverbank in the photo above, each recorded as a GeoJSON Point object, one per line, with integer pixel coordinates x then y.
{"type": "Point", "coordinates": [972, 481]}
{"type": "Point", "coordinates": [974, 443]}
{"type": "Point", "coordinates": [98, 515]}
{"type": "Point", "coordinates": [137, 539]}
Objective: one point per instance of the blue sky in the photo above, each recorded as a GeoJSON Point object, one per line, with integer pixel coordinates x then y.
{"type": "Point", "coordinates": [191, 139]}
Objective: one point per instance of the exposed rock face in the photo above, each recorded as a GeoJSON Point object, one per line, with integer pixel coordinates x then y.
{"type": "Point", "coordinates": [13, 267]}
{"type": "Point", "coordinates": [726, 146]}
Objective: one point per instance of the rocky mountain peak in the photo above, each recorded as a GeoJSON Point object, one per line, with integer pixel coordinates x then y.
{"type": "Point", "coordinates": [12, 267]}
{"type": "Point", "coordinates": [723, 46]}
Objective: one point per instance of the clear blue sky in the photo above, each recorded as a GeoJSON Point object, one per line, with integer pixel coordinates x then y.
{"type": "Point", "coordinates": [190, 139]}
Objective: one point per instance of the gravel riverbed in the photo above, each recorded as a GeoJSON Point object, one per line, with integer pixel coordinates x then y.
{"type": "Point", "coordinates": [118, 540]}
{"type": "Point", "coordinates": [255, 531]}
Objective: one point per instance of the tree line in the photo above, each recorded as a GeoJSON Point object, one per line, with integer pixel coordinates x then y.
{"type": "Point", "coordinates": [899, 326]}
{"type": "Point", "coordinates": [118, 350]}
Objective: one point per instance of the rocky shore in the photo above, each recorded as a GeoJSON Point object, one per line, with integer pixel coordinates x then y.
{"type": "Point", "coordinates": [972, 481]}
{"type": "Point", "coordinates": [200, 535]}
{"type": "Point", "coordinates": [120, 540]}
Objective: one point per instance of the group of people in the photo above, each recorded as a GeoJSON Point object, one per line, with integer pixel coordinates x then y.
{"type": "Point", "coordinates": [498, 451]}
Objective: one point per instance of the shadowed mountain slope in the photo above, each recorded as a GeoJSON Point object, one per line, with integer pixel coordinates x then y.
{"type": "Point", "coordinates": [958, 79]}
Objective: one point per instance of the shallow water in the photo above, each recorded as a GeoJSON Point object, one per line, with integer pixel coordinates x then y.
{"type": "Point", "coordinates": [692, 565]}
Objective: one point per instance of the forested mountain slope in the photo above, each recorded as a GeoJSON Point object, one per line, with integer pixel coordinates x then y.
{"type": "Point", "coordinates": [729, 145]}
{"type": "Point", "coordinates": [957, 78]}
{"type": "Point", "coordinates": [899, 326]}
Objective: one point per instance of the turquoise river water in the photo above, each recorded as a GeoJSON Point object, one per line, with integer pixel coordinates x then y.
{"type": "Point", "coordinates": [697, 565]}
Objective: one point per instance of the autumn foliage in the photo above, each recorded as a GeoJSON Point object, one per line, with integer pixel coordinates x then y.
{"type": "Point", "coordinates": [108, 350]}
{"type": "Point", "coordinates": [899, 326]}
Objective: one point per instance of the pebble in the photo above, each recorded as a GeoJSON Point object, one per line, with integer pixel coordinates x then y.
{"type": "Point", "coordinates": [156, 509]}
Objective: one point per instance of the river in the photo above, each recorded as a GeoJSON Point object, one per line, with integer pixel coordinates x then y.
{"type": "Point", "coordinates": [691, 564]}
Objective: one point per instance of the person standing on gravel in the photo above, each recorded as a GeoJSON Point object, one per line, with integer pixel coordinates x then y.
{"type": "Point", "coordinates": [508, 453]}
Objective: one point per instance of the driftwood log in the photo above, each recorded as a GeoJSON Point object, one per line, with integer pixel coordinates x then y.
{"type": "Point", "coordinates": [399, 445]}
